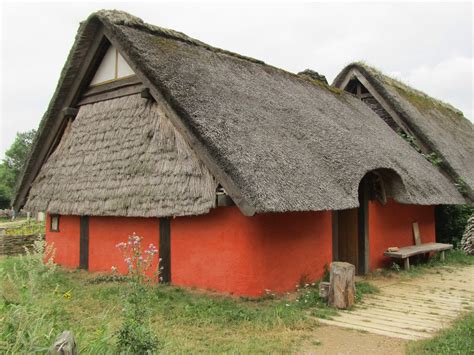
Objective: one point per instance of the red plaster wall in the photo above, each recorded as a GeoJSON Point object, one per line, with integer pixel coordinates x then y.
{"type": "Point", "coordinates": [66, 241]}
{"type": "Point", "coordinates": [228, 252]}
{"type": "Point", "coordinates": [391, 226]}
{"type": "Point", "coordinates": [106, 232]}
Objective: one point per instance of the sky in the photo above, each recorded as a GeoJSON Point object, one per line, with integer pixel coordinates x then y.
{"type": "Point", "coordinates": [427, 45]}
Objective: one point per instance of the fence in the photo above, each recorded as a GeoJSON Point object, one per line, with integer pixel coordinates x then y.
{"type": "Point", "coordinates": [15, 244]}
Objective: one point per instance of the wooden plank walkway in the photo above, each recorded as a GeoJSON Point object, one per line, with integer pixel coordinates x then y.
{"type": "Point", "coordinates": [414, 308]}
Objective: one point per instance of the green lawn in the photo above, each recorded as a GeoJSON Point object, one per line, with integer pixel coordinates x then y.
{"type": "Point", "coordinates": [37, 304]}
{"type": "Point", "coordinates": [459, 339]}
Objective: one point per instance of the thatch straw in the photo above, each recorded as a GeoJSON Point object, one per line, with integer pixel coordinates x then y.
{"type": "Point", "coordinates": [285, 142]}
{"type": "Point", "coordinates": [122, 157]}
{"type": "Point", "coordinates": [440, 126]}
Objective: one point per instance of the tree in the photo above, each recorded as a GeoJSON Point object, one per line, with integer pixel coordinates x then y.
{"type": "Point", "coordinates": [11, 165]}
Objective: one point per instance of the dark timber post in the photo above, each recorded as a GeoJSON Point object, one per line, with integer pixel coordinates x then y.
{"type": "Point", "coordinates": [164, 251]}
{"type": "Point", "coordinates": [363, 232]}
{"type": "Point", "coordinates": [335, 236]}
{"type": "Point", "coordinates": [84, 243]}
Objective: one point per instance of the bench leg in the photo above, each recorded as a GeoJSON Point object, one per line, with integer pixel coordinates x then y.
{"type": "Point", "coordinates": [406, 263]}
{"type": "Point", "coordinates": [443, 257]}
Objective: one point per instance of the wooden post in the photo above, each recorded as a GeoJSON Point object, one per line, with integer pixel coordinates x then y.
{"type": "Point", "coordinates": [406, 263]}
{"type": "Point", "coordinates": [164, 251]}
{"type": "Point", "coordinates": [64, 344]}
{"type": "Point", "coordinates": [443, 256]}
{"type": "Point", "coordinates": [84, 242]}
{"type": "Point", "coordinates": [342, 285]}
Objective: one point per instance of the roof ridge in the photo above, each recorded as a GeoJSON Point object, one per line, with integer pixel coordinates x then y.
{"type": "Point", "coordinates": [122, 18]}
{"type": "Point", "coordinates": [398, 84]}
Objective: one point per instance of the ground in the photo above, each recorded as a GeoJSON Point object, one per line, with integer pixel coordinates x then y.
{"type": "Point", "coordinates": [335, 340]}
{"type": "Point", "coordinates": [38, 303]}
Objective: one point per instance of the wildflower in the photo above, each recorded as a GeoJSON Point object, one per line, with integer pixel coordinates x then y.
{"type": "Point", "coordinates": [287, 305]}
{"type": "Point", "coordinates": [113, 269]}
{"type": "Point", "coordinates": [67, 295]}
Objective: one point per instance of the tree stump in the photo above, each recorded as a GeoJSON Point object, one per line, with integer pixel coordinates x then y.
{"type": "Point", "coordinates": [341, 285]}
{"type": "Point", "coordinates": [64, 344]}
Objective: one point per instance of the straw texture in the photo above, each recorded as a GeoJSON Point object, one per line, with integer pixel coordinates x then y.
{"type": "Point", "coordinates": [122, 157]}
{"type": "Point", "coordinates": [440, 126]}
{"type": "Point", "coordinates": [288, 143]}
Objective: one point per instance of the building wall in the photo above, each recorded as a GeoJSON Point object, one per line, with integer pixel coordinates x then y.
{"type": "Point", "coordinates": [66, 241]}
{"type": "Point", "coordinates": [228, 252]}
{"type": "Point", "coordinates": [106, 232]}
{"type": "Point", "coordinates": [391, 226]}
{"type": "Point", "coordinates": [222, 251]}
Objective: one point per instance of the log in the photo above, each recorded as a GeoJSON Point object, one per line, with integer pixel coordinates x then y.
{"type": "Point", "coordinates": [65, 344]}
{"type": "Point", "coordinates": [341, 285]}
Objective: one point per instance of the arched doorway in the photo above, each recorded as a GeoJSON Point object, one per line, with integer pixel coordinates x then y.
{"type": "Point", "coordinates": [351, 226]}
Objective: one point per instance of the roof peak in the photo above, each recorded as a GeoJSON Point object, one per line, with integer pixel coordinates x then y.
{"type": "Point", "coordinates": [400, 85]}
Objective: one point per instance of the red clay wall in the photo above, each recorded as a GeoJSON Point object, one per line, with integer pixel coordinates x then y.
{"type": "Point", "coordinates": [66, 241]}
{"type": "Point", "coordinates": [391, 226]}
{"type": "Point", "coordinates": [106, 232]}
{"type": "Point", "coordinates": [228, 252]}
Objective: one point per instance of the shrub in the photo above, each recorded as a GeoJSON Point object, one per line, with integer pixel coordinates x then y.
{"type": "Point", "coordinates": [451, 222]}
{"type": "Point", "coordinates": [135, 335]}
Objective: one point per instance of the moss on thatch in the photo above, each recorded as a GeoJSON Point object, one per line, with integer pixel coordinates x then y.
{"type": "Point", "coordinates": [447, 135]}
{"type": "Point", "coordinates": [282, 142]}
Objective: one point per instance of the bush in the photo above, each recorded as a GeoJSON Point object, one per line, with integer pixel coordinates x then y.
{"type": "Point", "coordinates": [135, 335]}
{"type": "Point", "coordinates": [451, 221]}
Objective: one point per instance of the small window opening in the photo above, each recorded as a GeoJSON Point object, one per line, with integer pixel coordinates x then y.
{"type": "Point", "coordinates": [54, 223]}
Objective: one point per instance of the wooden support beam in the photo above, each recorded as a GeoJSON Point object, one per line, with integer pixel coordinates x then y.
{"type": "Point", "coordinates": [70, 112]}
{"type": "Point", "coordinates": [164, 251]}
{"type": "Point", "coordinates": [84, 243]}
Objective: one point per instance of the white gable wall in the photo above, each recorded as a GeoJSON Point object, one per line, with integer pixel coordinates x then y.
{"type": "Point", "coordinates": [112, 67]}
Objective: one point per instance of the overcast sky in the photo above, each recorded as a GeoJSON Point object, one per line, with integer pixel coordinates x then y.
{"type": "Point", "coordinates": [427, 45]}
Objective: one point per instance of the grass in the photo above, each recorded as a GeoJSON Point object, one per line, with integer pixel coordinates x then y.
{"type": "Point", "coordinates": [24, 227]}
{"type": "Point", "coordinates": [454, 257]}
{"type": "Point", "coordinates": [37, 304]}
{"type": "Point", "coordinates": [459, 339]}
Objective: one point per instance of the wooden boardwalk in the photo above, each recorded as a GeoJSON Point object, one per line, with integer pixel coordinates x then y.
{"type": "Point", "coordinates": [412, 308]}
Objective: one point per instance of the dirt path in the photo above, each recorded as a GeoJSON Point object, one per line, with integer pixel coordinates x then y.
{"type": "Point", "coordinates": [332, 340]}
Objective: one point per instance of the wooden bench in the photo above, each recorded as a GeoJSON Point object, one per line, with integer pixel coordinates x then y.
{"type": "Point", "coordinates": [405, 252]}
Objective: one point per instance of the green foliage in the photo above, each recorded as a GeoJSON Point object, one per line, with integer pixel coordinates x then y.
{"type": "Point", "coordinates": [27, 228]}
{"type": "Point", "coordinates": [432, 157]}
{"type": "Point", "coordinates": [451, 222]}
{"type": "Point", "coordinates": [365, 288]}
{"type": "Point", "coordinates": [135, 335]}
{"type": "Point", "coordinates": [457, 340]}
{"type": "Point", "coordinates": [461, 186]}
{"type": "Point", "coordinates": [26, 327]}
{"type": "Point", "coordinates": [10, 167]}
{"type": "Point", "coordinates": [410, 139]}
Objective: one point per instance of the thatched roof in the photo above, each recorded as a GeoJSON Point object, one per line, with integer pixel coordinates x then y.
{"type": "Point", "coordinates": [276, 141]}
{"type": "Point", "coordinates": [440, 126]}
{"type": "Point", "coordinates": [122, 157]}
